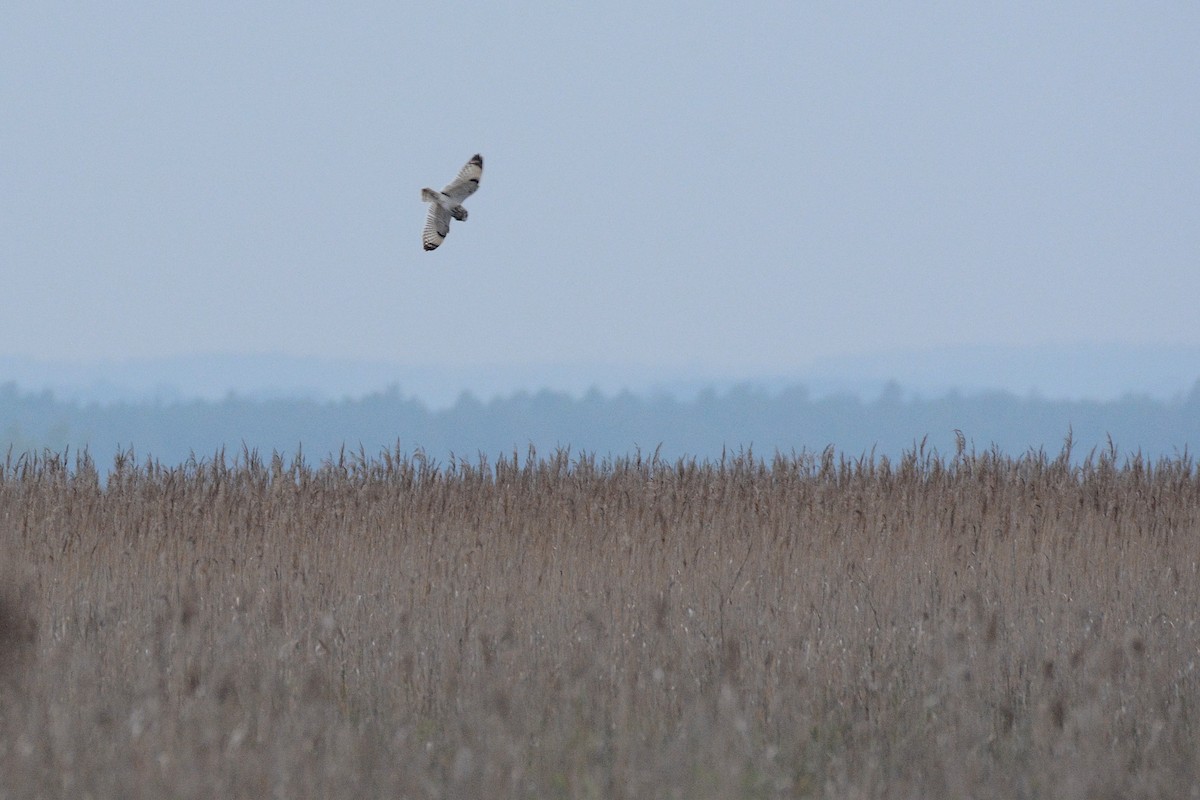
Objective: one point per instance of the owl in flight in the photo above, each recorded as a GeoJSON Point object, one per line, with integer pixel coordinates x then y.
{"type": "Point", "coordinates": [448, 202]}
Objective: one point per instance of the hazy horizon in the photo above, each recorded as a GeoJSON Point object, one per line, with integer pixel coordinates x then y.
{"type": "Point", "coordinates": [1095, 372]}
{"type": "Point", "coordinates": [677, 422]}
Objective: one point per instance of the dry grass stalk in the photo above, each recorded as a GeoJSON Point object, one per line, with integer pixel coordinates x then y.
{"type": "Point", "coordinates": [566, 627]}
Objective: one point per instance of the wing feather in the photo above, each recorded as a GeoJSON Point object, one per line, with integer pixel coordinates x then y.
{"type": "Point", "coordinates": [437, 225]}
{"type": "Point", "coordinates": [467, 181]}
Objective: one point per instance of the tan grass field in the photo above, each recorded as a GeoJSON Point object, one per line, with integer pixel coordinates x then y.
{"type": "Point", "coordinates": [563, 627]}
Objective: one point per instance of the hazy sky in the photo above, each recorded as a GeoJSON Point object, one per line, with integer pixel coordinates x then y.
{"type": "Point", "coordinates": [731, 186]}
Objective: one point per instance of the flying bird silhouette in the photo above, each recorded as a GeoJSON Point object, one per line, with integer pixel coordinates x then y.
{"type": "Point", "coordinates": [448, 202]}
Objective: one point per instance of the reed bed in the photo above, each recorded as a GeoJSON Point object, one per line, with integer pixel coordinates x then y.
{"type": "Point", "coordinates": [969, 625]}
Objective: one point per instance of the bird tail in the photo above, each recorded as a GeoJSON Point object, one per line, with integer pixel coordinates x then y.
{"type": "Point", "coordinates": [430, 196]}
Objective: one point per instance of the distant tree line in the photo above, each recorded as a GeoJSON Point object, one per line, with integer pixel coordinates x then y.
{"type": "Point", "coordinates": [703, 427]}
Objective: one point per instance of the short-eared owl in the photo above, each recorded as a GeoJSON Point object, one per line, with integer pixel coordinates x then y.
{"type": "Point", "coordinates": [448, 202]}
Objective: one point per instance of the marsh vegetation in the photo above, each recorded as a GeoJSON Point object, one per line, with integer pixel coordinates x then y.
{"type": "Point", "coordinates": [561, 626]}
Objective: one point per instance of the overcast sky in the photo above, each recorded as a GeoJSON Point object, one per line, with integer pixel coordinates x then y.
{"type": "Point", "coordinates": [719, 186]}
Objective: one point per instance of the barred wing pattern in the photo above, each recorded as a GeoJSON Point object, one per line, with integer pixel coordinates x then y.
{"type": "Point", "coordinates": [467, 181]}
{"type": "Point", "coordinates": [437, 225]}
{"type": "Point", "coordinates": [447, 203]}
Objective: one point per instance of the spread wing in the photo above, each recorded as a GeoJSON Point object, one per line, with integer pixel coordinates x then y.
{"type": "Point", "coordinates": [437, 225]}
{"type": "Point", "coordinates": [467, 181]}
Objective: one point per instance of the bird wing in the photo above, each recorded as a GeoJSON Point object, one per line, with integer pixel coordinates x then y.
{"type": "Point", "coordinates": [437, 225]}
{"type": "Point", "coordinates": [467, 181]}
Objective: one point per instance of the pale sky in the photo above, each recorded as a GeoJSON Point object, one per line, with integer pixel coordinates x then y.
{"type": "Point", "coordinates": [719, 186]}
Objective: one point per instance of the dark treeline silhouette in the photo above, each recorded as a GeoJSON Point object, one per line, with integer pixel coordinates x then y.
{"type": "Point", "coordinates": [703, 427]}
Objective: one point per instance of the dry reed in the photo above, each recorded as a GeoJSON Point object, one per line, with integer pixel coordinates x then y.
{"type": "Point", "coordinates": [810, 626]}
